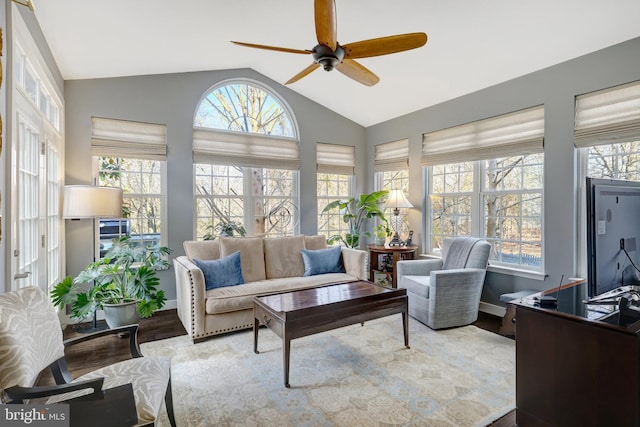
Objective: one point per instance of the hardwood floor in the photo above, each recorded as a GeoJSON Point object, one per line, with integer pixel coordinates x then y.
{"type": "Point", "coordinates": [165, 324]}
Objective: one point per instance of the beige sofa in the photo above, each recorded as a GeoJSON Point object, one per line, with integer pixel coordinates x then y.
{"type": "Point", "coordinates": [269, 265]}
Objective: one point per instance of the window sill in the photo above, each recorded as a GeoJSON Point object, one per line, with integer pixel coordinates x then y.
{"type": "Point", "coordinates": [510, 271]}
{"type": "Point", "coordinates": [501, 269]}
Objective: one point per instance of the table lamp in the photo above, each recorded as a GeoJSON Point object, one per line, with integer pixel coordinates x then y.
{"type": "Point", "coordinates": [396, 201]}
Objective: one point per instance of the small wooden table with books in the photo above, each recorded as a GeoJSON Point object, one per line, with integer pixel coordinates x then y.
{"type": "Point", "coordinates": [383, 260]}
{"type": "Point", "coordinates": [297, 314]}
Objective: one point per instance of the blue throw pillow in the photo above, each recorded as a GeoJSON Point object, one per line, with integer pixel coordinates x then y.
{"type": "Point", "coordinates": [322, 261]}
{"type": "Point", "coordinates": [222, 272]}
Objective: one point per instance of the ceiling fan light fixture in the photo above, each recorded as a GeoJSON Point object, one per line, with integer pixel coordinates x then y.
{"type": "Point", "coordinates": [326, 57]}
{"type": "Point", "coordinates": [328, 53]}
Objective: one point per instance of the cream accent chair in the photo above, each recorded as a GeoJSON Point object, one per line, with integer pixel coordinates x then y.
{"type": "Point", "coordinates": [444, 293]}
{"type": "Point", "coordinates": [31, 340]}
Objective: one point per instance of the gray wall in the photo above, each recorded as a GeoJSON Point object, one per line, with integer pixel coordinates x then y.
{"type": "Point", "coordinates": [172, 99]}
{"type": "Point", "coordinates": [556, 88]}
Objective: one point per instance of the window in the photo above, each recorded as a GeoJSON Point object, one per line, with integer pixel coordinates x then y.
{"type": "Point", "coordinates": [392, 173]}
{"type": "Point", "coordinates": [395, 180]}
{"type": "Point", "coordinates": [607, 134]}
{"type": "Point", "coordinates": [246, 161]}
{"type": "Point", "coordinates": [451, 195]}
{"type": "Point", "coordinates": [336, 166]}
{"type": "Point", "coordinates": [332, 187]}
{"type": "Point", "coordinates": [616, 161]}
{"type": "Point", "coordinates": [608, 128]}
{"type": "Point", "coordinates": [26, 78]}
{"type": "Point", "coordinates": [131, 155]}
{"type": "Point", "coordinates": [37, 142]}
{"type": "Point", "coordinates": [499, 199]}
{"type": "Point", "coordinates": [142, 183]}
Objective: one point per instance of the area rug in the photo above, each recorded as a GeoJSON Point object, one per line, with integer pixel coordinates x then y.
{"type": "Point", "coordinates": [353, 376]}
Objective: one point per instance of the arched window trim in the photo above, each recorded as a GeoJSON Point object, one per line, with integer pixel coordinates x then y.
{"type": "Point", "coordinates": [223, 154]}
{"type": "Point", "coordinates": [260, 85]}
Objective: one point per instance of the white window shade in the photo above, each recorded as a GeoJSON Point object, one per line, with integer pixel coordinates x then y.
{"type": "Point", "coordinates": [517, 133]}
{"type": "Point", "coordinates": [335, 159]}
{"type": "Point", "coordinates": [124, 138]}
{"type": "Point", "coordinates": [245, 149]}
{"type": "Point", "coordinates": [608, 116]}
{"type": "Point", "coordinates": [392, 156]}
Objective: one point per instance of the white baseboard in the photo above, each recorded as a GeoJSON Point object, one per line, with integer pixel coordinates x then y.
{"type": "Point", "coordinates": [170, 304]}
{"type": "Point", "coordinates": [496, 310]}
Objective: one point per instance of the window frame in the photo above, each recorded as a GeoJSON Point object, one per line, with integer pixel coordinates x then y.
{"type": "Point", "coordinates": [44, 244]}
{"type": "Point", "coordinates": [382, 183]}
{"type": "Point", "coordinates": [213, 154]}
{"type": "Point", "coordinates": [583, 159]}
{"type": "Point", "coordinates": [162, 197]}
{"type": "Point", "coordinates": [322, 198]}
{"type": "Point", "coordinates": [248, 200]}
{"type": "Point", "coordinates": [478, 219]}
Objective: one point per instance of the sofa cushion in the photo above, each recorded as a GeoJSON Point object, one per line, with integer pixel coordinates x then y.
{"type": "Point", "coordinates": [202, 249]}
{"type": "Point", "coordinates": [322, 261]}
{"type": "Point", "coordinates": [251, 255]}
{"type": "Point", "coordinates": [226, 271]}
{"type": "Point", "coordinates": [282, 257]}
{"type": "Point", "coordinates": [315, 242]}
{"type": "Point", "coordinates": [234, 298]}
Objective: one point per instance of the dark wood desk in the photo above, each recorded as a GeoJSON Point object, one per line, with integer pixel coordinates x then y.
{"type": "Point", "coordinates": [575, 365]}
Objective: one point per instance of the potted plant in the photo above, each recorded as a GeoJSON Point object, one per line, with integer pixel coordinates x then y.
{"type": "Point", "coordinates": [225, 228]}
{"type": "Point", "coordinates": [355, 211]}
{"type": "Point", "coordinates": [381, 232]}
{"type": "Point", "coordinates": [124, 281]}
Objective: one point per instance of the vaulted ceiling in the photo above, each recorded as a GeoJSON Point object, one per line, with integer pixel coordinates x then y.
{"type": "Point", "coordinates": [472, 44]}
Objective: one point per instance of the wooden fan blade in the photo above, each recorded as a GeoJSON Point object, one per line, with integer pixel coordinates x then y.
{"type": "Point", "coordinates": [326, 27]}
{"type": "Point", "coordinates": [384, 45]}
{"type": "Point", "coordinates": [303, 73]}
{"type": "Point", "coordinates": [357, 72]}
{"type": "Point", "coordinates": [276, 48]}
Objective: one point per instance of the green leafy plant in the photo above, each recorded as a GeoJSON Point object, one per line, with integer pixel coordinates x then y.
{"type": "Point", "coordinates": [127, 273]}
{"type": "Point", "coordinates": [382, 230]}
{"type": "Point", "coordinates": [355, 211]}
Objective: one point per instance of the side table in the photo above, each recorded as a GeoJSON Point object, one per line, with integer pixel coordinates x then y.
{"type": "Point", "coordinates": [383, 259]}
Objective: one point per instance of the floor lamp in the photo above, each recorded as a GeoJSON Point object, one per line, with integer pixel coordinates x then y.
{"type": "Point", "coordinates": [89, 202]}
{"type": "Point", "coordinates": [396, 201]}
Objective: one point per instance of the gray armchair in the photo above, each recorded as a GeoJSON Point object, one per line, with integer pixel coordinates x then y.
{"type": "Point", "coordinates": [445, 292]}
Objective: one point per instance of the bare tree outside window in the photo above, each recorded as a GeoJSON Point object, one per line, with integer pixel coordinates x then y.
{"type": "Point", "coordinates": [510, 204]}
{"type": "Point", "coordinates": [615, 161]}
{"type": "Point", "coordinates": [141, 183]}
{"type": "Point", "coordinates": [264, 200]}
{"type": "Point", "coordinates": [332, 187]}
{"type": "Point", "coordinates": [396, 180]}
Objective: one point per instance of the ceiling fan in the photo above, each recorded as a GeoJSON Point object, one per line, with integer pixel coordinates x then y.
{"type": "Point", "coordinates": [330, 54]}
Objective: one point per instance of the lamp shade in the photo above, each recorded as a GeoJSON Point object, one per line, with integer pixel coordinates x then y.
{"type": "Point", "coordinates": [87, 201]}
{"type": "Point", "coordinates": [396, 200]}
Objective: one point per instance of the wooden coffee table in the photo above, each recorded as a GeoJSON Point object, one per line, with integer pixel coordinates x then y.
{"type": "Point", "coordinates": [300, 313]}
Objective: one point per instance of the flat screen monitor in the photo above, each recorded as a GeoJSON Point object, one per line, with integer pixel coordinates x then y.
{"type": "Point", "coordinates": [613, 234]}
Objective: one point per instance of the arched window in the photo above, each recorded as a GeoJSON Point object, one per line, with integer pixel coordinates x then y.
{"type": "Point", "coordinates": [246, 158]}
{"type": "Point", "coordinates": [244, 107]}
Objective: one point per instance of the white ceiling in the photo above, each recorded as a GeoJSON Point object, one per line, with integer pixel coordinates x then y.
{"type": "Point", "coordinates": [472, 44]}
